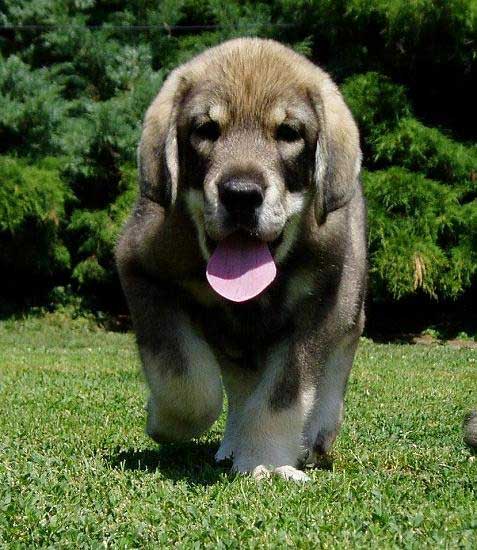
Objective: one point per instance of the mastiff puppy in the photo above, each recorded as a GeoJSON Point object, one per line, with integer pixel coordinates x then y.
{"type": "Point", "coordinates": [244, 259]}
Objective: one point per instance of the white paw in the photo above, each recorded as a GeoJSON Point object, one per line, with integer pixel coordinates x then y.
{"type": "Point", "coordinates": [291, 473]}
{"type": "Point", "coordinates": [260, 472]}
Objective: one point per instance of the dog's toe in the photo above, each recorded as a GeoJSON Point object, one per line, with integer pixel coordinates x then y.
{"type": "Point", "coordinates": [260, 472]}
{"type": "Point", "coordinates": [291, 473]}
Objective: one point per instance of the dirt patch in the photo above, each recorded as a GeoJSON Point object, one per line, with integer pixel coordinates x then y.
{"type": "Point", "coordinates": [428, 340]}
{"type": "Point", "coordinates": [462, 343]}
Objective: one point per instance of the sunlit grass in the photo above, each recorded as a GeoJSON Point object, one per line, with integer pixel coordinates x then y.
{"type": "Point", "coordinates": [76, 468]}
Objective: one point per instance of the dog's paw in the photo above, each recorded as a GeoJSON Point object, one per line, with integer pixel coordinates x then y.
{"type": "Point", "coordinates": [261, 472]}
{"type": "Point", "coordinates": [285, 472]}
{"type": "Point", "coordinates": [290, 473]}
{"type": "Point", "coordinates": [258, 473]}
{"type": "Point", "coordinates": [225, 452]}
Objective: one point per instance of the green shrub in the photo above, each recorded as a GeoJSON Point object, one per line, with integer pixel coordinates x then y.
{"type": "Point", "coordinates": [232, 18]}
{"type": "Point", "coordinates": [376, 103]}
{"type": "Point", "coordinates": [106, 137]}
{"type": "Point", "coordinates": [31, 109]}
{"type": "Point", "coordinates": [421, 239]}
{"type": "Point", "coordinates": [427, 150]}
{"type": "Point", "coordinates": [91, 64]}
{"type": "Point", "coordinates": [32, 210]}
{"type": "Point", "coordinates": [79, 87]}
{"type": "Point", "coordinates": [95, 233]}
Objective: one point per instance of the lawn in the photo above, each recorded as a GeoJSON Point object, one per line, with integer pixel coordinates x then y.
{"type": "Point", "coordinates": [77, 470]}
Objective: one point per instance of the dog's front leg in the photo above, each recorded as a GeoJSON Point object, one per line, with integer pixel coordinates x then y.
{"type": "Point", "coordinates": [266, 431]}
{"type": "Point", "coordinates": [181, 370]}
{"type": "Point", "coordinates": [325, 419]}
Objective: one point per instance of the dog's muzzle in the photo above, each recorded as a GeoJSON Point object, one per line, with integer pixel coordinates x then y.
{"type": "Point", "coordinates": [242, 199]}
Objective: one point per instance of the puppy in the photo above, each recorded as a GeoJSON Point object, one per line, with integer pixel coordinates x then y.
{"type": "Point", "coordinates": [244, 259]}
{"type": "Point", "coordinates": [470, 429]}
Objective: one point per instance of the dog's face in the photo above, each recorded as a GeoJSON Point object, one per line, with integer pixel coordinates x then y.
{"type": "Point", "coordinates": [246, 156]}
{"type": "Point", "coordinates": [243, 140]}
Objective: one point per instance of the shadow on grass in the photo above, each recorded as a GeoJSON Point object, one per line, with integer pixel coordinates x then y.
{"type": "Point", "coordinates": [192, 461]}
{"type": "Point", "coordinates": [324, 462]}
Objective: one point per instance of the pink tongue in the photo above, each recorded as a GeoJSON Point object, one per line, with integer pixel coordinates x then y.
{"type": "Point", "coordinates": [240, 268]}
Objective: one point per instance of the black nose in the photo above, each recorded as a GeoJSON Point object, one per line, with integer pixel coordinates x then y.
{"type": "Point", "coordinates": [241, 197]}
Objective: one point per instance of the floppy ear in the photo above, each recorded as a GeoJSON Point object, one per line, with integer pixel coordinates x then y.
{"type": "Point", "coordinates": [157, 153]}
{"type": "Point", "coordinates": [338, 155]}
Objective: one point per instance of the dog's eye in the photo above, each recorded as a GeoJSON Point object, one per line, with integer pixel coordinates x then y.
{"type": "Point", "coordinates": [208, 130]}
{"type": "Point", "coordinates": [287, 133]}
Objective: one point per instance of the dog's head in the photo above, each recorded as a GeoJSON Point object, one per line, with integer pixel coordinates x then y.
{"type": "Point", "coordinates": [249, 134]}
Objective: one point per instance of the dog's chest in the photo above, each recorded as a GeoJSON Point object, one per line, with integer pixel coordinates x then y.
{"type": "Point", "coordinates": [245, 328]}
{"type": "Point", "coordinates": [241, 329]}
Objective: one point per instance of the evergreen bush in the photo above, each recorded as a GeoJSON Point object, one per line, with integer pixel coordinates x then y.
{"type": "Point", "coordinates": [429, 151]}
{"type": "Point", "coordinates": [31, 109]}
{"type": "Point", "coordinates": [422, 240]}
{"type": "Point", "coordinates": [33, 201]}
{"type": "Point", "coordinates": [377, 103]}
{"type": "Point", "coordinates": [76, 88]}
{"type": "Point", "coordinates": [96, 232]}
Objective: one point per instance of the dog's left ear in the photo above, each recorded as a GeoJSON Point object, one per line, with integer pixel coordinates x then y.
{"type": "Point", "coordinates": [338, 155]}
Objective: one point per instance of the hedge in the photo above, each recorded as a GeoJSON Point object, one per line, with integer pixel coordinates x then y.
{"type": "Point", "coordinates": [75, 85]}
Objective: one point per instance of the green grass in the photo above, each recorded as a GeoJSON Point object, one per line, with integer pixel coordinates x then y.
{"type": "Point", "coordinates": [76, 469]}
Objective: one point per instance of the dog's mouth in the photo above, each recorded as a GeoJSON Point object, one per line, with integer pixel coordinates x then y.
{"type": "Point", "coordinates": [241, 266]}
{"type": "Point", "coordinates": [272, 245]}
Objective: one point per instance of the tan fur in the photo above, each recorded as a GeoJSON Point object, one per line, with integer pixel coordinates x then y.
{"type": "Point", "coordinates": [286, 355]}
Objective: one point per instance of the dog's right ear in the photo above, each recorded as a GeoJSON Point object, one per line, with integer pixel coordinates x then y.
{"type": "Point", "coordinates": [157, 153]}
